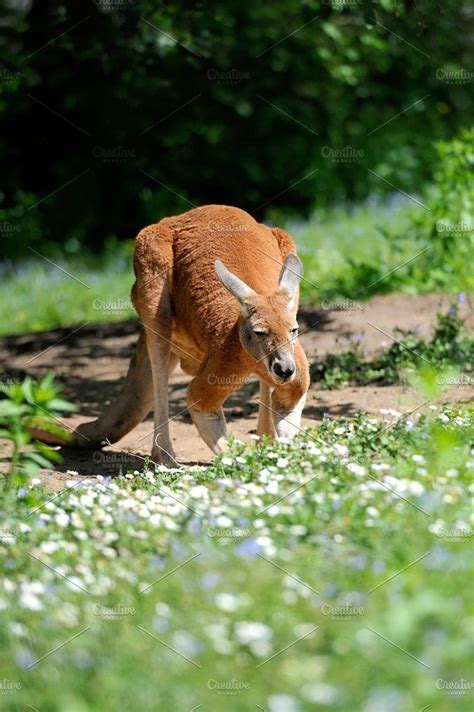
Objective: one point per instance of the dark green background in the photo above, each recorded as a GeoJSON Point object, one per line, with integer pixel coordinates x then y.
{"type": "Point", "coordinates": [213, 112]}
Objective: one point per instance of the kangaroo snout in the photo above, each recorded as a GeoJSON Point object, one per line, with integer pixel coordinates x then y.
{"type": "Point", "coordinates": [283, 369]}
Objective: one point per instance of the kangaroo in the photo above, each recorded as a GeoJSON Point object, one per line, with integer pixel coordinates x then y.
{"type": "Point", "coordinates": [217, 292]}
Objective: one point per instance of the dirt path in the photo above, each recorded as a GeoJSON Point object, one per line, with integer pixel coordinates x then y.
{"type": "Point", "coordinates": [91, 360]}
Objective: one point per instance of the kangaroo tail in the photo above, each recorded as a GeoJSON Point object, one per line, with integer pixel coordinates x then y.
{"type": "Point", "coordinates": [131, 406]}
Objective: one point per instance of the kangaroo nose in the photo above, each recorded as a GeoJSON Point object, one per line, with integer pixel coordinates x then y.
{"type": "Point", "coordinates": [284, 372]}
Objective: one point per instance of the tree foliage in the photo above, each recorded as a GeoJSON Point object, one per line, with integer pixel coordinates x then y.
{"type": "Point", "coordinates": [117, 112]}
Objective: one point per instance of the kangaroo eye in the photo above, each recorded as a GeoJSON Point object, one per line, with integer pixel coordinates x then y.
{"type": "Point", "coordinates": [260, 332]}
{"type": "Point", "coordinates": [294, 330]}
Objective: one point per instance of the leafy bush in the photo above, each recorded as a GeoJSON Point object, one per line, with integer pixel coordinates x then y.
{"type": "Point", "coordinates": [160, 92]}
{"type": "Point", "coordinates": [451, 346]}
{"type": "Point", "coordinates": [449, 224]}
{"type": "Point", "coordinates": [26, 407]}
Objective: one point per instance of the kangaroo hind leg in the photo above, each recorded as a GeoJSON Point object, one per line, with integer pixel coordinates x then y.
{"type": "Point", "coordinates": [152, 300]}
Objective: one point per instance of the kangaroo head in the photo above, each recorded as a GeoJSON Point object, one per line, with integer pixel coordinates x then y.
{"type": "Point", "coordinates": [268, 324]}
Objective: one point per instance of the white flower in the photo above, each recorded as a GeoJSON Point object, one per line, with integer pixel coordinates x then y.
{"type": "Point", "coordinates": [320, 693]}
{"type": "Point", "coordinates": [162, 609]}
{"type": "Point", "coordinates": [298, 530]}
{"type": "Point", "coordinates": [356, 469]}
{"type": "Point", "coordinates": [390, 411]}
{"type": "Point", "coordinates": [282, 462]}
{"type": "Point", "coordinates": [379, 467]}
{"type": "Point", "coordinates": [30, 601]}
{"type": "Point", "coordinates": [109, 552]}
{"type": "Point", "coordinates": [87, 499]}
{"type": "Point", "coordinates": [224, 522]}
{"type": "Point", "coordinates": [67, 614]}
{"type": "Point", "coordinates": [75, 583]}
{"type": "Point", "coordinates": [282, 703]}
{"type": "Point", "coordinates": [186, 642]}
{"type": "Point", "coordinates": [248, 632]}
{"type": "Point", "coordinates": [415, 487]}
{"type": "Point", "coordinates": [227, 602]}
{"type": "Point", "coordinates": [198, 492]}
{"type": "Point", "coordinates": [62, 519]}
{"type": "Point", "coordinates": [49, 547]}
{"type": "Point", "coordinates": [402, 486]}
{"type": "Point", "coordinates": [76, 521]}
{"type": "Point", "coordinates": [18, 629]}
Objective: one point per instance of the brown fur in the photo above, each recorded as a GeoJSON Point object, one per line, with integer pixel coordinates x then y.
{"type": "Point", "coordinates": [188, 315]}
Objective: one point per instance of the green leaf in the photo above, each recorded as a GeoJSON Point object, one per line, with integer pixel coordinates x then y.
{"type": "Point", "coordinates": [48, 452]}
{"type": "Point", "coordinates": [27, 389]}
{"type": "Point", "coordinates": [9, 409]}
{"type": "Point", "coordinates": [36, 457]}
{"type": "Point", "coordinates": [60, 404]}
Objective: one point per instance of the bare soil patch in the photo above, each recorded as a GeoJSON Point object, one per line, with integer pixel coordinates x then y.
{"type": "Point", "coordinates": [91, 360]}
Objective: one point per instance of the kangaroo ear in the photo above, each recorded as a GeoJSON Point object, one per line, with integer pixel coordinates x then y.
{"type": "Point", "coordinates": [241, 291]}
{"type": "Point", "coordinates": [290, 275]}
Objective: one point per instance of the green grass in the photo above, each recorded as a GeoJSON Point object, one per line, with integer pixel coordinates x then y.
{"type": "Point", "coordinates": [349, 252]}
{"type": "Point", "coordinates": [331, 573]}
{"type": "Point", "coordinates": [42, 296]}
{"type": "Point", "coordinates": [353, 253]}
{"type": "Point", "coordinates": [372, 249]}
